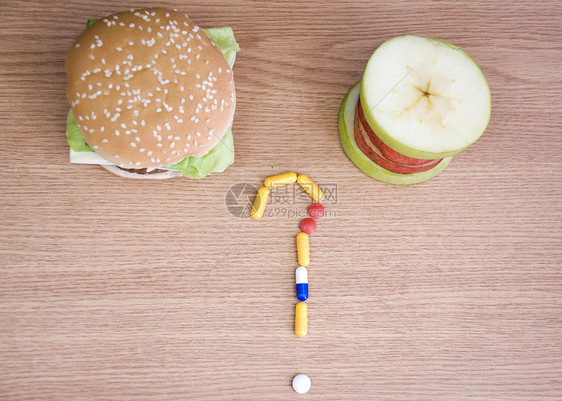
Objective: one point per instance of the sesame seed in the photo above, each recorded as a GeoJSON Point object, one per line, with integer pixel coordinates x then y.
{"type": "Point", "coordinates": [131, 25]}
{"type": "Point", "coordinates": [134, 145]}
{"type": "Point", "coordinates": [116, 132]}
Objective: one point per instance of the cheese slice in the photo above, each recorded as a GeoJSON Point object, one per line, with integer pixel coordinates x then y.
{"type": "Point", "coordinates": [94, 158]}
{"type": "Point", "coordinates": [87, 158]}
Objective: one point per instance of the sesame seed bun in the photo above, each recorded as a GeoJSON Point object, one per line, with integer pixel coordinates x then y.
{"type": "Point", "coordinates": [148, 88]}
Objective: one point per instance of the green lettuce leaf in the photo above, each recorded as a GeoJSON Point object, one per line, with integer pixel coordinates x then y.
{"type": "Point", "coordinates": [74, 136]}
{"type": "Point", "coordinates": [219, 158]}
{"type": "Point", "coordinates": [216, 161]}
{"type": "Point", "coordinates": [224, 38]}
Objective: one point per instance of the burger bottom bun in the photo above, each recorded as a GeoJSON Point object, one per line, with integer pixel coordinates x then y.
{"type": "Point", "coordinates": [151, 176]}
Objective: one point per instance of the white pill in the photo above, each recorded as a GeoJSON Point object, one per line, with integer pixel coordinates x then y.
{"type": "Point", "coordinates": [301, 383]}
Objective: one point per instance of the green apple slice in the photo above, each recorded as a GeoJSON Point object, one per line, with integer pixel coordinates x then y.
{"type": "Point", "coordinates": [424, 98]}
{"type": "Point", "coordinates": [346, 120]}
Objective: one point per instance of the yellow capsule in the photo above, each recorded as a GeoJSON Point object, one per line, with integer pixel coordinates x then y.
{"type": "Point", "coordinates": [301, 319]}
{"type": "Point", "coordinates": [259, 203]}
{"type": "Point", "coordinates": [303, 249]}
{"type": "Point", "coordinates": [310, 187]}
{"type": "Point", "coordinates": [280, 180]}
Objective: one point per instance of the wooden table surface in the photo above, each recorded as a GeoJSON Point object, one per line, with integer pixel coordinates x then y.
{"type": "Point", "coordinates": [446, 290]}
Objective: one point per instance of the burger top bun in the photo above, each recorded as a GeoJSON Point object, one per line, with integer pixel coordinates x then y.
{"type": "Point", "coordinates": [148, 88]}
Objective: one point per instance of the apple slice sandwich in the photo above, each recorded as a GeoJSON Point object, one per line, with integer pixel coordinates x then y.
{"type": "Point", "coordinates": [420, 102]}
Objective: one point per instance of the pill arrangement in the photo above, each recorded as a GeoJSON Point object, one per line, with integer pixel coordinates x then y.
{"type": "Point", "coordinates": [301, 382]}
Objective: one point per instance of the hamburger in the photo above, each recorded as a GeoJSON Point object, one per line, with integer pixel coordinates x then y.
{"type": "Point", "coordinates": [152, 95]}
{"type": "Point", "coordinates": [420, 102]}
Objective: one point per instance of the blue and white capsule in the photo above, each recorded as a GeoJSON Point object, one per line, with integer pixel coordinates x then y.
{"type": "Point", "coordinates": [302, 283]}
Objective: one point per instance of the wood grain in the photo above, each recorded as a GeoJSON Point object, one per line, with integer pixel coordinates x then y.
{"type": "Point", "coordinates": [447, 290]}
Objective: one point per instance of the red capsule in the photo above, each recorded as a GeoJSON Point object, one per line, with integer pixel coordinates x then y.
{"type": "Point", "coordinates": [316, 210]}
{"type": "Point", "coordinates": [308, 225]}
